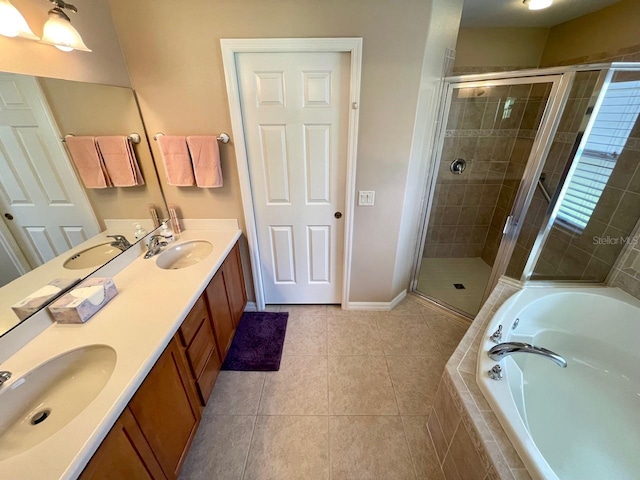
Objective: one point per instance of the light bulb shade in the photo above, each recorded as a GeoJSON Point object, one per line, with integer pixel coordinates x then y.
{"type": "Point", "coordinates": [12, 23]}
{"type": "Point", "coordinates": [538, 4]}
{"type": "Point", "coordinates": [59, 32]}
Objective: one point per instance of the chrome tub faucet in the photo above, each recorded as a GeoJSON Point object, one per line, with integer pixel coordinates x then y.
{"type": "Point", "coordinates": [502, 350]}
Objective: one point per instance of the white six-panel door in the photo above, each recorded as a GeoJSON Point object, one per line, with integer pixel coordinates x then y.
{"type": "Point", "coordinates": [38, 187]}
{"type": "Point", "coordinates": [295, 109]}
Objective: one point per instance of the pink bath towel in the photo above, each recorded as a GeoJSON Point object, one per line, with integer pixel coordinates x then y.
{"type": "Point", "coordinates": [177, 162]}
{"type": "Point", "coordinates": [205, 156]}
{"type": "Point", "coordinates": [88, 162]}
{"type": "Point", "coordinates": [120, 160]}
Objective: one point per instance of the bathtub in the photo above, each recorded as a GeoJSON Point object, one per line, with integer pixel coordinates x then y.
{"type": "Point", "coordinates": [576, 423]}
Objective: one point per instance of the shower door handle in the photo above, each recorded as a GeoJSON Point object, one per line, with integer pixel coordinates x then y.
{"type": "Point", "coordinates": [511, 222]}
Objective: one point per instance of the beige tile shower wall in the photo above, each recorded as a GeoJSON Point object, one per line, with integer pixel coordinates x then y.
{"type": "Point", "coordinates": [104, 65]}
{"type": "Point", "coordinates": [90, 109]}
{"type": "Point", "coordinates": [591, 254]}
{"type": "Point", "coordinates": [626, 273]}
{"type": "Point", "coordinates": [463, 222]}
{"type": "Point", "coordinates": [555, 163]}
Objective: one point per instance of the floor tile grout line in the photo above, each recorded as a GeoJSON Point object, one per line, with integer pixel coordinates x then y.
{"type": "Point", "coordinates": [395, 395]}
{"type": "Point", "coordinates": [255, 422]}
{"type": "Point", "coordinates": [246, 457]}
{"type": "Point", "coordinates": [406, 439]}
{"type": "Point", "coordinates": [328, 406]}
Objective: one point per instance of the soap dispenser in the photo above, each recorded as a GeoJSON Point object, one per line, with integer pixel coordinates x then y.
{"type": "Point", "coordinates": [140, 232]}
{"type": "Point", "coordinates": [167, 233]}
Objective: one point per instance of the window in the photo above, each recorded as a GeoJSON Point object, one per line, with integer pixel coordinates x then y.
{"type": "Point", "coordinates": [616, 118]}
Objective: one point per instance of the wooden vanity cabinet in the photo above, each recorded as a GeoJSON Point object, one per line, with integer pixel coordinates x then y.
{"type": "Point", "coordinates": [227, 298]}
{"type": "Point", "coordinates": [200, 350]}
{"type": "Point", "coordinates": [124, 453]}
{"type": "Point", "coordinates": [151, 438]}
{"type": "Point", "coordinates": [234, 281]}
{"type": "Point", "coordinates": [167, 409]}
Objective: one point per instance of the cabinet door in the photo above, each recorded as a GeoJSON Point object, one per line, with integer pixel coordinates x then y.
{"type": "Point", "coordinates": [167, 409]}
{"type": "Point", "coordinates": [234, 281]}
{"type": "Point", "coordinates": [124, 453]}
{"type": "Point", "coordinates": [220, 313]}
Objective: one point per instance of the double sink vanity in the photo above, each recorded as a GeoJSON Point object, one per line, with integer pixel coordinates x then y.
{"type": "Point", "coordinates": [121, 395]}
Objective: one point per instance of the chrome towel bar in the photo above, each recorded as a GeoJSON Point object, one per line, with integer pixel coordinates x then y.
{"type": "Point", "coordinates": [223, 137]}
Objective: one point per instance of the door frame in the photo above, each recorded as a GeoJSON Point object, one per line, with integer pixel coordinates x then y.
{"type": "Point", "coordinates": [231, 47]}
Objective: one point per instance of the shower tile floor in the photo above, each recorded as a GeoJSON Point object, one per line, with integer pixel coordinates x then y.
{"type": "Point", "coordinates": [437, 276]}
{"type": "Point", "coordinates": [351, 400]}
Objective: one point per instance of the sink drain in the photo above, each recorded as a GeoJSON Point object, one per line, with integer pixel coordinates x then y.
{"type": "Point", "coordinates": [40, 417]}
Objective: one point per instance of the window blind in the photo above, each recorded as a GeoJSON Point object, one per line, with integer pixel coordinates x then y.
{"type": "Point", "coordinates": [611, 129]}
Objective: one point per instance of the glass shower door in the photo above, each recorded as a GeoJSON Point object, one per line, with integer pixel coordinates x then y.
{"type": "Point", "coordinates": [491, 129]}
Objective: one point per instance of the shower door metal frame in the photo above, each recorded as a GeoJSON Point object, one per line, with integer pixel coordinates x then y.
{"type": "Point", "coordinates": [599, 91]}
{"type": "Point", "coordinates": [561, 80]}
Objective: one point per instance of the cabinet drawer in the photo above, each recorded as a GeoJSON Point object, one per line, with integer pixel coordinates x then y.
{"type": "Point", "coordinates": [193, 321]}
{"type": "Point", "coordinates": [208, 377]}
{"type": "Point", "coordinates": [201, 346]}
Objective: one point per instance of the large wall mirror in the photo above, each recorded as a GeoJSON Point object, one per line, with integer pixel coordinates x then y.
{"type": "Point", "coordinates": [53, 226]}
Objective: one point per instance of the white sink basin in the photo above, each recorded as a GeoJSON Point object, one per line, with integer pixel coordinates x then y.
{"type": "Point", "coordinates": [184, 254]}
{"type": "Point", "coordinates": [92, 257]}
{"type": "Point", "coordinates": [39, 404]}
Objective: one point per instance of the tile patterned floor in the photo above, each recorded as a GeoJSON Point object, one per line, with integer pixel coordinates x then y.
{"type": "Point", "coordinates": [351, 400]}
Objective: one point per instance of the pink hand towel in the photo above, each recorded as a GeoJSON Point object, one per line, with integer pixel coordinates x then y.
{"type": "Point", "coordinates": [177, 162]}
{"type": "Point", "coordinates": [205, 156]}
{"type": "Point", "coordinates": [120, 161]}
{"type": "Point", "coordinates": [86, 158]}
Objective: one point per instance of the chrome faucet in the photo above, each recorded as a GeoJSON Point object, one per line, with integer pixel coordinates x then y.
{"type": "Point", "coordinates": [4, 376]}
{"type": "Point", "coordinates": [502, 350]}
{"type": "Point", "coordinates": [120, 241]}
{"type": "Point", "coordinates": [156, 242]}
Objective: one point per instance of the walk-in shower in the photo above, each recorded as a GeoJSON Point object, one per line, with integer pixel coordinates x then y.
{"type": "Point", "coordinates": [534, 176]}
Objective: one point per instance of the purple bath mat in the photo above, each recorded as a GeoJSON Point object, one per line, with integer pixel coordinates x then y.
{"type": "Point", "coordinates": [257, 345]}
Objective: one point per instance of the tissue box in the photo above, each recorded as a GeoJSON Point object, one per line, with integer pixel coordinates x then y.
{"type": "Point", "coordinates": [81, 303]}
{"type": "Point", "coordinates": [38, 299]}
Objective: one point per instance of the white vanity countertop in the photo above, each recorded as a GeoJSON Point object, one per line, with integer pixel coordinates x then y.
{"type": "Point", "coordinates": [138, 324]}
{"type": "Point", "coordinates": [31, 281]}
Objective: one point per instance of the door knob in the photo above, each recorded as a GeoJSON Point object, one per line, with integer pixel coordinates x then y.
{"type": "Point", "coordinates": [337, 215]}
{"type": "Point", "coordinates": [8, 216]}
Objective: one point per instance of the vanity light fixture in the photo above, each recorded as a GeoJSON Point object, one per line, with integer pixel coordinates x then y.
{"type": "Point", "coordinates": [537, 4]}
{"type": "Point", "coordinates": [12, 23]}
{"type": "Point", "coordinates": [58, 30]}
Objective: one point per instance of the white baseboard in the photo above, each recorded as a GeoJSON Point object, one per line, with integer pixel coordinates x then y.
{"type": "Point", "coordinates": [378, 306]}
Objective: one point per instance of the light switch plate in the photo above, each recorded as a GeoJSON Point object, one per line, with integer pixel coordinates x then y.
{"type": "Point", "coordinates": [366, 198]}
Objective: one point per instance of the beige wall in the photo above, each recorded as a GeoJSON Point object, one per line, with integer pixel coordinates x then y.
{"type": "Point", "coordinates": [93, 20]}
{"type": "Point", "coordinates": [90, 109]}
{"type": "Point", "coordinates": [500, 47]}
{"type": "Point", "coordinates": [607, 30]}
{"type": "Point", "coordinates": [173, 54]}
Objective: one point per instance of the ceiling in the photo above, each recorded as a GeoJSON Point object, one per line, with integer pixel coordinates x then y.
{"type": "Point", "coordinates": [512, 13]}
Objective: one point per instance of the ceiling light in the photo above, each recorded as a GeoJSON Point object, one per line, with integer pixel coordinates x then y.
{"type": "Point", "coordinates": [537, 4]}
{"type": "Point", "coordinates": [58, 30]}
{"type": "Point", "coordinates": [12, 23]}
